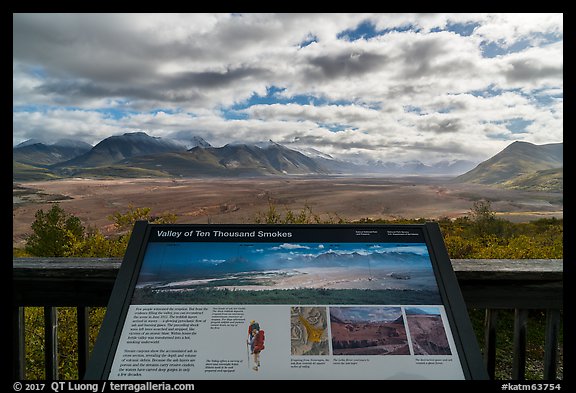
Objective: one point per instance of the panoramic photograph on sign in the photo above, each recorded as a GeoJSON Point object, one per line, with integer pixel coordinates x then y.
{"type": "Point", "coordinates": [286, 302]}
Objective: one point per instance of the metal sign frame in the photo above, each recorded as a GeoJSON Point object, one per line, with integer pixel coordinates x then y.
{"type": "Point", "coordinates": [144, 233]}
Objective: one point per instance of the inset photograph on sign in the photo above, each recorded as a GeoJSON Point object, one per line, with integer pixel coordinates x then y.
{"type": "Point", "coordinates": [427, 331]}
{"type": "Point", "coordinates": [309, 331]}
{"type": "Point", "coordinates": [285, 273]}
{"type": "Point", "coordinates": [368, 331]}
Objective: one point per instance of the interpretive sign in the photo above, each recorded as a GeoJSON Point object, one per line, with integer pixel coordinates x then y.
{"type": "Point", "coordinates": [286, 302]}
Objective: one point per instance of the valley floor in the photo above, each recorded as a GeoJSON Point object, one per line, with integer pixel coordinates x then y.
{"type": "Point", "coordinates": [240, 200]}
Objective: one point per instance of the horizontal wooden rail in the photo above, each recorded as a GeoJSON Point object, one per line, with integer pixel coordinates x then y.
{"type": "Point", "coordinates": [510, 283]}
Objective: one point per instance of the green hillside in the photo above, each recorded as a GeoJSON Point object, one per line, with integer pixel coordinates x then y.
{"type": "Point", "coordinates": [551, 180]}
{"type": "Point", "coordinates": [22, 172]}
{"type": "Point", "coordinates": [521, 165]}
{"type": "Point", "coordinates": [114, 171]}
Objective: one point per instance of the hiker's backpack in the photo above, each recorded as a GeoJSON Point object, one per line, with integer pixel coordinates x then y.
{"type": "Point", "coordinates": [259, 341]}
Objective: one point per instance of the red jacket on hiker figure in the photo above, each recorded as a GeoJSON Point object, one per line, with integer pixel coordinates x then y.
{"type": "Point", "coordinates": [259, 341]}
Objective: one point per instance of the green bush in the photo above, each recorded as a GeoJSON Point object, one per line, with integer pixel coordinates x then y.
{"type": "Point", "coordinates": [55, 233]}
{"type": "Point", "coordinates": [60, 234]}
{"type": "Point", "coordinates": [67, 340]}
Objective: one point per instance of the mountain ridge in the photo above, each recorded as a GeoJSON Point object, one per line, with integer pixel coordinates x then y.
{"type": "Point", "coordinates": [118, 147]}
{"type": "Point", "coordinates": [519, 160]}
{"type": "Point", "coordinates": [39, 154]}
{"type": "Point", "coordinates": [521, 165]}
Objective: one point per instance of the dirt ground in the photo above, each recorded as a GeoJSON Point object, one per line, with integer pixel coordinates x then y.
{"type": "Point", "coordinates": [238, 200]}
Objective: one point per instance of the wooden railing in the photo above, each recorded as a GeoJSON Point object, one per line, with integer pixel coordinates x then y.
{"type": "Point", "coordinates": [493, 285]}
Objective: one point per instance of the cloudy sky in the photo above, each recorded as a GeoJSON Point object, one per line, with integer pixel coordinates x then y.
{"type": "Point", "coordinates": [394, 87]}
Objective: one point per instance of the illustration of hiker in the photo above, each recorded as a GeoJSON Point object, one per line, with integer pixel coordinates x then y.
{"type": "Point", "coordinates": [256, 343]}
{"type": "Point", "coordinates": [253, 325]}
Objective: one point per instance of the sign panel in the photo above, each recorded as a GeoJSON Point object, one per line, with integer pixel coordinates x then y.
{"type": "Point", "coordinates": [286, 302]}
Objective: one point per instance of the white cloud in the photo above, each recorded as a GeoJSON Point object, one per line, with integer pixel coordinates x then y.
{"type": "Point", "coordinates": [290, 246]}
{"type": "Point", "coordinates": [413, 93]}
{"type": "Point", "coordinates": [511, 27]}
{"type": "Point", "coordinates": [534, 68]}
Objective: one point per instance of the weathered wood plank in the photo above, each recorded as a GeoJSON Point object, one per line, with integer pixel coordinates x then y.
{"type": "Point", "coordinates": [512, 294]}
{"type": "Point", "coordinates": [508, 269]}
{"type": "Point", "coordinates": [510, 283]}
{"type": "Point", "coordinates": [65, 267]}
{"type": "Point", "coordinates": [50, 281]}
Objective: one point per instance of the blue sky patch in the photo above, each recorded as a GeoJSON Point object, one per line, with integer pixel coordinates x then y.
{"type": "Point", "coordinates": [307, 41]}
{"type": "Point", "coordinates": [367, 30]}
{"type": "Point", "coordinates": [518, 125]}
{"type": "Point", "coordinates": [493, 49]}
{"type": "Point", "coordinates": [273, 96]}
{"type": "Point", "coordinates": [463, 29]}
{"type": "Point", "coordinates": [334, 127]}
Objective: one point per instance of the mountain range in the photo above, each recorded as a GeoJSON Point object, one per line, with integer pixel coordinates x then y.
{"type": "Point", "coordinates": [520, 165]}
{"type": "Point", "coordinates": [238, 264]}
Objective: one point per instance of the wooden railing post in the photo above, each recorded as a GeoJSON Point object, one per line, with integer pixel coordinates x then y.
{"type": "Point", "coordinates": [551, 343]}
{"type": "Point", "coordinates": [83, 339]}
{"type": "Point", "coordinates": [490, 341]}
{"type": "Point", "coordinates": [18, 343]}
{"type": "Point", "coordinates": [51, 343]}
{"type": "Point", "coordinates": [519, 357]}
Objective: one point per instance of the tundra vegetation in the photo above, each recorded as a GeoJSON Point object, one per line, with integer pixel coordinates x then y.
{"type": "Point", "coordinates": [479, 234]}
